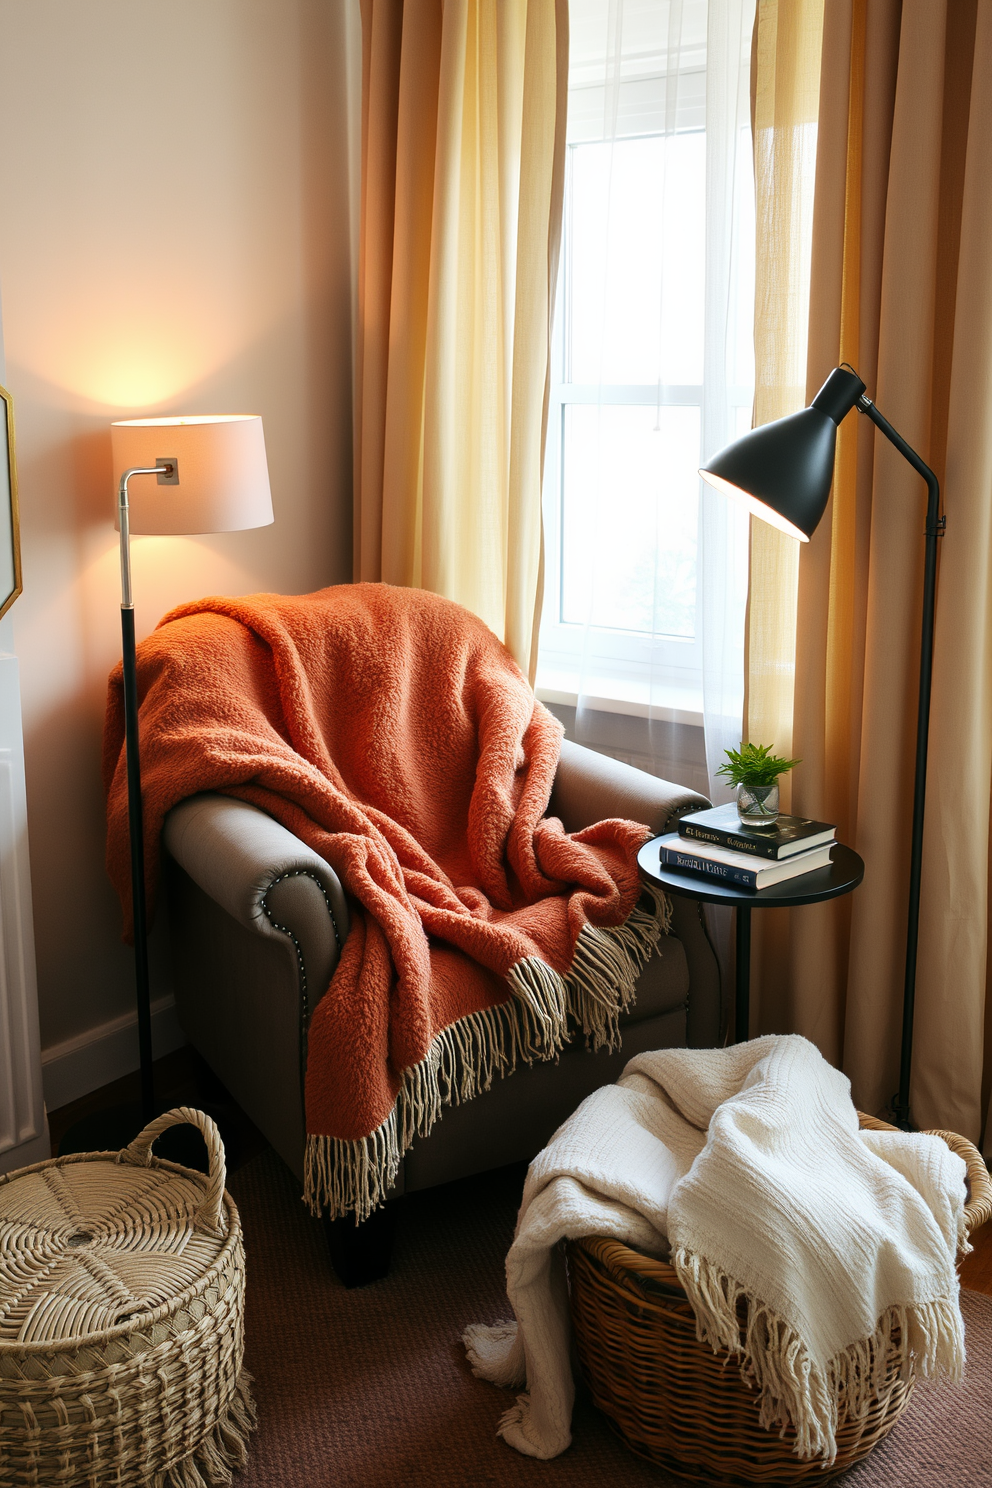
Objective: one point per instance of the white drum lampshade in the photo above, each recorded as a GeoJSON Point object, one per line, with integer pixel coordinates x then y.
{"type": "Point", "coordinates": [223, 478]}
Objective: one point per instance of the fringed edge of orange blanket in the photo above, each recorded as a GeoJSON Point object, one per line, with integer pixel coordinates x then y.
{"type": "Point", "coordinates": [354, 1177]}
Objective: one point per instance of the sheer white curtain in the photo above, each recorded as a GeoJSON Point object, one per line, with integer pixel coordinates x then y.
{"type": "Point", "coordinates": [646, 585]}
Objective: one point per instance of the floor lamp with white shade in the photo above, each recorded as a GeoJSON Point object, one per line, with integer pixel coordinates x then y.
{"type": "Point", "coordinates": [194, 475]}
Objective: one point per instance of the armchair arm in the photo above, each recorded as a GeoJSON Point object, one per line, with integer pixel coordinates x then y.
{"type": "Point", "coordinates": [263, 876]}
{"type": "Point", "coordinates": [590, 787]}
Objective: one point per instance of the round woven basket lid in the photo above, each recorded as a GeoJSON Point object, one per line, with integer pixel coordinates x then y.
{"type": "Point", "coordinates": [93, 1241]}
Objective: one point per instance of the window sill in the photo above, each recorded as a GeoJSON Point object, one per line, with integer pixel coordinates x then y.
{"type": "Point", "coordinates": [670, 703]}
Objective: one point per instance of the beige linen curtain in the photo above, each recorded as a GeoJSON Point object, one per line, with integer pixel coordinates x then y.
{"type": "Point", "coordinates": [901, 286]}
{"type": "Point", "coordinates": [463, 142]}
{"type": "Point", "coordinates": [785, 66]}
{"type": "Point", "coordinates": [785, 79]}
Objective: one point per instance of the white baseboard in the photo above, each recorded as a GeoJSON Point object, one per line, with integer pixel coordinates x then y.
{"type": "Point", "coordinates": [36, 1149]}
{"type": "Point", "coordinates": [94, 1058]}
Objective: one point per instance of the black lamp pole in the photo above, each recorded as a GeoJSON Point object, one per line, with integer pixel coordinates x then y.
{"type": "Point", "coordinates": [783, 471]}
{"type": "Point", "coordinates": [135, 810]}
{"type": "Point", "coordinates": [107, 1129]}
{"type": "Point", "coordinates": [225, 489]}
{"type": "Point", "coordinates": [935, 524]}
{"type": "Point", "coordinates": [137, 834]}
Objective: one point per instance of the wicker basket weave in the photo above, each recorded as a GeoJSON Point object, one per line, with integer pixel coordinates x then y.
{"type": "Point", "coordinates": [686, 1408]}
{"type": "Point", "coordinates": [121, 1320]}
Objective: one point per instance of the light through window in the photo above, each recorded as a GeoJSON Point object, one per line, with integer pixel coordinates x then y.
{"type": "Point", "coordinates": [652, 348]}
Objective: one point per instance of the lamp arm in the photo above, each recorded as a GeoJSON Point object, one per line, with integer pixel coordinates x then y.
{"type": "Point", "coordinates": [934, 528]}
{"type": "Point", "coordinates": [866, 406]}
{"type": "Point", "coordinates": [123, 518]}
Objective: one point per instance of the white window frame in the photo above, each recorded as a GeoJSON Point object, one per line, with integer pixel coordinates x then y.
{"type": "Point", "coordinates": [631, 661]}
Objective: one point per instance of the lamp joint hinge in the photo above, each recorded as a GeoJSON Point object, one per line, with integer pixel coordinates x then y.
{"type": "Point", "coordinates": [938, 529]}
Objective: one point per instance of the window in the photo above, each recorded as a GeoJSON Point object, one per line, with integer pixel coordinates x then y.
{"type": "Point", "coordinates": [652, 361]}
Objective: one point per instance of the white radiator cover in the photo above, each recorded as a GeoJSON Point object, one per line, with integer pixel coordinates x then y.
{"type": "Point", "coordinates": [23, 1123]}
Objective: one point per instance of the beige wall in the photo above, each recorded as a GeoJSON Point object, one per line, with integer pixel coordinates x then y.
{"type": "Point", "coordinates": [174, 237]}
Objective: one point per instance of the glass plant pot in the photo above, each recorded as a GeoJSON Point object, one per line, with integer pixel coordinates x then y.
{"type": "Point", "coordinates": [757, 805]}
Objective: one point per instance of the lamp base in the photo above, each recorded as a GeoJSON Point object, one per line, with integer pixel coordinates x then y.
{"type": "Point", "coordinates": [899, 1114]}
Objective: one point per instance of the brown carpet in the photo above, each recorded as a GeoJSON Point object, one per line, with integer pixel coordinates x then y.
{"type": "Point", "coordinates": [370, 1389]}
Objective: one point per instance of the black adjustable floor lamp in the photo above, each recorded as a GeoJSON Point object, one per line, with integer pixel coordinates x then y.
{"type": "Point", "coordinates": [782, 472]}
{"type": "Point", "coordinates": [215, 479]}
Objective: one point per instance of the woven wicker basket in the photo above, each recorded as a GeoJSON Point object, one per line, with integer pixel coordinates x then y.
{"type": "Point", "coordinates": [121, 1320]}
{"type": "Point", "coordinates": [680, 1405]}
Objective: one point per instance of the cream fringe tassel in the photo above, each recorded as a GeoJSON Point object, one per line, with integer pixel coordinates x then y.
{"type": "Point", "coordinates": [346, 1177]}
{"type": "Point", "coordinates": [222, 1452]}
{"type": "Point", "coordinates": [927, 1339]}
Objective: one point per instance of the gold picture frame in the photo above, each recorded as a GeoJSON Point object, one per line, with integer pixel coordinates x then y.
{"type": "Point", "coordinates": [10, 526]}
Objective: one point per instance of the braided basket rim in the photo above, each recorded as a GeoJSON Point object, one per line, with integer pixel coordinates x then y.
{"type": "Point", "coordinates": [138, 1322]}
{"type": "Point", "coordinates": [627, 1305]}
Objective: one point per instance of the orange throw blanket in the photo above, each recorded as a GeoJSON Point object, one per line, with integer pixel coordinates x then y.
{"type": "Point", "coordinates": [390, 731]}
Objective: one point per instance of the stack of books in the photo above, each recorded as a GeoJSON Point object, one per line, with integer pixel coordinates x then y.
{"type": "Point", "coordinates": [715, 843]}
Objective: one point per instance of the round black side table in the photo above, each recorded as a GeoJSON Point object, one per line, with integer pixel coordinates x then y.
{"type": "Point", "coordinates": [842, 874]}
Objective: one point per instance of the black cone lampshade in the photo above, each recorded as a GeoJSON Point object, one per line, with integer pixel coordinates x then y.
{"type": "Point", "coordinates": [782, 471]}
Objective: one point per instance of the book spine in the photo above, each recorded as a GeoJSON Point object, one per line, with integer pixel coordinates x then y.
{"type": "Point", "coordinates": [746, 878]}
{"type": "Point", "coordinates": [727, 839]}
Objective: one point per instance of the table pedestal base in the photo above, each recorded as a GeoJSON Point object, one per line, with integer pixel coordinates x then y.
{"type": "Point", "coordinates": [742, 975]}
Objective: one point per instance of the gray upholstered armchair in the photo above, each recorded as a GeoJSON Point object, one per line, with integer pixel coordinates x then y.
{"type": "Point", "coordinates": [258, 920]}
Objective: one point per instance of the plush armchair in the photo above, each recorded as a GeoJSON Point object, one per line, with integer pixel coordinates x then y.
{"type": "Point", "coordinates": [257, 924]}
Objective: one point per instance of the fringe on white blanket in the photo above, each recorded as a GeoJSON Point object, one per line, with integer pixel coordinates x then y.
{"type": "Point", "coordinates": [929, 1340]}
{"type": "Point", "coordinates": [496, 1353]}
{"type": "Point", "coordinates": [746, 1166]}
{"type": "Point", "coordinates": [354, 1177]}
{"type": "Point", "coordinates": [792, 1389]}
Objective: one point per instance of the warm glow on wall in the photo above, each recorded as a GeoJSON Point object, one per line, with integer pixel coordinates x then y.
{"type": "Point", "coordinates": [132, 379]}
{"type": "Point", "coordinates": [129, 366]}
{"type": "Point", "coordinates": [168, 571]}
{"type": "Point", "coordinates": [134, 347]}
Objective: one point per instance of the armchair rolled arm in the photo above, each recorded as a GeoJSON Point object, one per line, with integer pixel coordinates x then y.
{"type": "Point", "coordinates": [591, 787]}
{"type": "Point", "coordinates": [263, 876]}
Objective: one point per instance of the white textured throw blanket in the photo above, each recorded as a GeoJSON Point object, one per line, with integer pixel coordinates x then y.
{"type": "Point", "coordinates": [748, 1163]}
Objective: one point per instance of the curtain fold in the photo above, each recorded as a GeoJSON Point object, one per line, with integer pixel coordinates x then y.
{"type": "Point", "coordinates": [463, 130]}
{"type": "Point", "coordinates": [729, 290]}
{"type": "Point", "coordinates": [785, 84]}
{"type": "Point", "coordinates": [785, 81]}
{"type": "Point", "coordinates": [902, 249]}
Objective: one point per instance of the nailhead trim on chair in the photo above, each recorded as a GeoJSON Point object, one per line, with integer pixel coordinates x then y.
{"type": "Point", "coordinates": [285, 930]}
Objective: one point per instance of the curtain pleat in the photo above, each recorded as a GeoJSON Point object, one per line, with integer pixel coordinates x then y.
{"type": "Point", "coordinates": [785, 70]}
{"type": "Point", "coordinates": [953, 971]}
{"type": "Point", "coordinates": [785, 78]}
{"type": "Point", "coordinates": [463, 161]}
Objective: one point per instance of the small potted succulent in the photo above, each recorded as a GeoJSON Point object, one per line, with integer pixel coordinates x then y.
{"type": "Point", "coordinates": [755, 771]}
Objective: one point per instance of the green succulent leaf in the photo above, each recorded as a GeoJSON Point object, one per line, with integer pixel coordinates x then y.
{"type": "Point", "coordinates": [754, 765]}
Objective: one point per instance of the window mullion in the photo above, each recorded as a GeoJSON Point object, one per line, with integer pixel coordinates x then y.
{"type": "Point", "coordinates": [634, 394]}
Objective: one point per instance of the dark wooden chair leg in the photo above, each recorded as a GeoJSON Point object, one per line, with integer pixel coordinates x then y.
{"type": "Point", "coordinates": [361, 1253]}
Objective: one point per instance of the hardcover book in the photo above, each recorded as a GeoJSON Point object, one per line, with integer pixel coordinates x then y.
{"type": "Point", "coordinates": [736, 868]}
{"type": "Point", "coordinates": [722, 826]}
